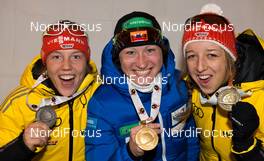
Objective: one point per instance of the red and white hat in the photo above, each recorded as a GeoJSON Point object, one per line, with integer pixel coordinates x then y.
{"type": "Point", "coordinates": [210, 26]}
{"type": "Point", "coordinates": [64, 41]}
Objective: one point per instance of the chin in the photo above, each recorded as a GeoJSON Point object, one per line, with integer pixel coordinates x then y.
{"type": "Point", "coordinates": [207, 91]}
{"type": "Point", "coordinates": [66, 93]}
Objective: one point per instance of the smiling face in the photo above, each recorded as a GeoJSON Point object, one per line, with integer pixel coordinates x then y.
{"type": "Point", "coordinates": [66, 69]}
{"type": "Point", "coordinates": [141, 63]}
{"type": "Point", "coordinates": [207, 65]}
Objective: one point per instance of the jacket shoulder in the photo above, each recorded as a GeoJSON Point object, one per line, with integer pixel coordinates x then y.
{"type": "Point", "coordinates": [16, 96]}
{"type": "Point", "coordinates": [101, 97]}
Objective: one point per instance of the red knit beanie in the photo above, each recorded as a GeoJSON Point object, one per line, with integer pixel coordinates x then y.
{"type": "Point", "coordinates": [209, 26]}
{"type": "Point", "coordinates": [64, 41]}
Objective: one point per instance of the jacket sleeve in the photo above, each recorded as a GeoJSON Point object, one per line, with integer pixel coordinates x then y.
{"type": "Point", "coordinates": [11, 123]}
{"type": "Point", "coordinates": [193, 148]}
{"type": "Point", "coordinates": [104, 144]}
{"type": "Point", "coordinates": [256, 154]}
{"type": "Point", "coordinates": [12, 146]}
{"type": "Point", "coordinates": [17, 147]}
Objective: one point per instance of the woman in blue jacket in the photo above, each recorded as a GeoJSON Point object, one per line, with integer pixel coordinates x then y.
{"type": "Point", "coordinates": [141, 90]}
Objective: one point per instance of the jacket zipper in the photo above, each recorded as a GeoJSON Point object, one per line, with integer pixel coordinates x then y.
{"type": "Point", "coordinates": [213, 127]}
{"type": "Point", "coordinates": [70, 103]}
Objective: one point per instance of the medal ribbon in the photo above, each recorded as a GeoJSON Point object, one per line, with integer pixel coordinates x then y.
{"type": "Point", "coordinates": [53, 101]}
{"type": "Point", "coordinates": [213, 99]}
{"type": "Point", "coordinates": [156, 88]}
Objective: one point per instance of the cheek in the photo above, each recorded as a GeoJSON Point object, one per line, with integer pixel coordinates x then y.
{"type": "Point", "coordinates": [157, 60]}
{"type": "Point", "coordinates": [219, 67]}
{"type": "Point", "coordinates": [81, 69]}
{"type": "Point", "coordinates": [125, 65]}
{"type": "Point", "coordinates": [190, 68]}
{"type": "Point", "coordinates": [221, 71]}
{"type": "Point", "coordinates": [51, 69]}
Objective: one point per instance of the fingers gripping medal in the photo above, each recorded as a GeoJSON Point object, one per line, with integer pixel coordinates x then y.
{"type": "Point", "coordinates": [146, 138]}
{"type": "Point", "coordinates": [47, 115]}
{"type": "Point", "coordinates": [227, 98]}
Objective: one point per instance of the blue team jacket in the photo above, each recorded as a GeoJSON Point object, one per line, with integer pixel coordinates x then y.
{"type": "Point", "coordinates": [111, 114]}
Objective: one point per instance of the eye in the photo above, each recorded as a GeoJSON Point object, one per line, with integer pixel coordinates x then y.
{"type": "Point", "coordinates": [131, 52]}
{"type": "Point", "coordinates": [190, 56]}
{"type": "Point", "coordinates": [76, 56]}
{"type": "Point", "coordinates": [212, 55]}
{"type": "Point", "coordinates": [151, 50]}
{"type": "Point", "coordinates": [56, 57]}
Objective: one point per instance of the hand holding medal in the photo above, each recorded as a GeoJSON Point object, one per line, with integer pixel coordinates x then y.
{"type": "Point", "coordinates": [46, 115]}
{"type": "Point", "coordinates": [227, 98]}
{"type": "Point", "coordinates": [144, 138]}
{"type": "Point", "coordinates": [147, 136]}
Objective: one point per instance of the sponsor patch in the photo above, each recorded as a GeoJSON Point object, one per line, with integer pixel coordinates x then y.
{"type": "Point", "coordinates": [52, 142]}
{"type": "Point", "coordinates": [125, 130]}
{"type": "Point", "coordinates": [137, 22]}
{"type": "Point", "coordinates": [179, 115]}
{"type": "Point", "coordinates": [66, 46]}
{"type": "Point", "coordinates": [138, 36]}
{"type": "Point", "coordinates": [201, 34]}
{"type": "Point", "coordinates": [92, 123]}
{"type": "Point", "coordinates": [178, 127]}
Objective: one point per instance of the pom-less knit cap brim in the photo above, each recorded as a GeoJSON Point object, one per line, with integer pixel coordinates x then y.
{"type": "Point", "coordinates": [136, 29]}
{"type": "Point", "coordinates": [211, 32]}
{"type": "Point", "coordinates": [147, 21]}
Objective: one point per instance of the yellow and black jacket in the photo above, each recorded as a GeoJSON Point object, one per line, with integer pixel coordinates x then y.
{"type": "Point", "coordinates": [67, 139]}
{"type": "Point", "coordinates": [216, 128]}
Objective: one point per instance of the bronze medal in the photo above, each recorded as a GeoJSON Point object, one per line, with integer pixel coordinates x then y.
{"type": "Point", "coordinates": [47, 115]}
{"type": "Point", "coordinates": [146, 138]}
{"type": "Point", "coordinates": [227, 98]}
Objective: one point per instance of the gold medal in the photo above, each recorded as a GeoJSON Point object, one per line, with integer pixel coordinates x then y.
{"type": "Point", "coordinates": [146, 138]}
{"type": "Point", "coordinates": [227, 98]}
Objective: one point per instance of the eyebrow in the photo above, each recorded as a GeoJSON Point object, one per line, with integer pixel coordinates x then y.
{"type": "Point", "coordinates": [188, 51]}
{"type": "Point", "coordinates": [211, 49]}
{"type": "Point", "coordinates": [77, 52]}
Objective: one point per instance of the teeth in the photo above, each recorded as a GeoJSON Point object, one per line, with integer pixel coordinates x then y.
{"type": "Point", "coordinates": [66, 77]}
{"type": "Point", "coordinates": [203, 76]}
{"type": "Point", "coordinates": [143, 72]}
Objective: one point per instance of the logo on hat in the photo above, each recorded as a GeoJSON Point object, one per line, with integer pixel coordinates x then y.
{"type": "Point", "coordinates": [138, 36]}
{"type": "Point", "coordinates": [201, 34]}
{"type": "Point", "coordinates": [137, 22]}
{"type": "Point", "coordinates": [63, 39]}
{"type": "Point", "coordinates": [66, 46]}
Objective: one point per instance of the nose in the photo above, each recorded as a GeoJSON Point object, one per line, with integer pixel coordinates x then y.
{"type": "Point", "coordinates": [201, 64]}
{"type": "Point", "coordinates": [66, 64]}
{"type": "Point", "coordinates": [141, 61]}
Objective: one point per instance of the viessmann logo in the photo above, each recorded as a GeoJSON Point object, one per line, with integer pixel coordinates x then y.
{"type": "Point", "coordinates": [63, 39]}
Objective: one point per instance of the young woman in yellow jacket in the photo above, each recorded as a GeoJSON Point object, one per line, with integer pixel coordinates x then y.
{"type": "Point", "coordinates": [44, 119]}
{"type": "Point", "coordinates": [229, 118]}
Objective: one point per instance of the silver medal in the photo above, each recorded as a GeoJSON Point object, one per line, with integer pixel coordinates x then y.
{"type": "Point", "coordinates": [227, 98]}
{"type": "Point", "coordinates": [47, 115]}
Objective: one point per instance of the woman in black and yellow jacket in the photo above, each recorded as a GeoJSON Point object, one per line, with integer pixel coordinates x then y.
{"type": "Point", "coordinates": [44, 119]}
{"type": "Point", "coordinates": [228, 108]}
